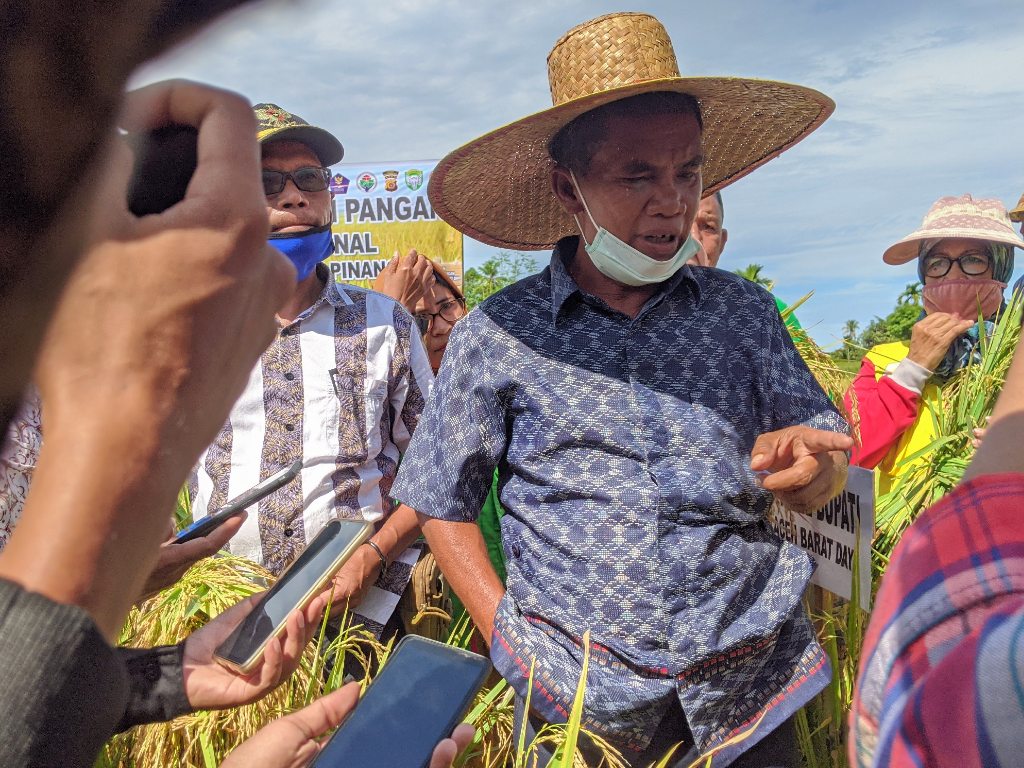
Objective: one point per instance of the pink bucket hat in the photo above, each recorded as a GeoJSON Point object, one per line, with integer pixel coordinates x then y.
{"type": "Point", "coordinates": [957, 217]}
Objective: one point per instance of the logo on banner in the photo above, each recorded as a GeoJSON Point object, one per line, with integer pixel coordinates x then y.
{"type": "Point", "coordinates": [390, 181]}
{"type": "Point", "coordinates": [367, 182]}
{"type": "Point", "coordinates": [339, 184]}
{"type": "Point", "coordinates": [413, 179]}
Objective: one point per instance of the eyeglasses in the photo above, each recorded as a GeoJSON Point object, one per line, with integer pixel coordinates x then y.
{"type": "Point", "coordinates": [972, 263]}
{"type": "Point", "coordinates": [311, 179]}
{"type": "Point", "coordinates": [452, 310]}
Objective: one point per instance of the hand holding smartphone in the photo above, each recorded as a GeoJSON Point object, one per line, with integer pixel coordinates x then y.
{"type": "Point", "coordinates": [417, 698]}
{"type": "Point", "coordinates": [303, 580]}
{"type": "Point", "coordinates": [205, 525]}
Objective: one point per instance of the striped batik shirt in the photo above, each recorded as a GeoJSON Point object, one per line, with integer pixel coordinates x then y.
{"type": "Point", "coordinates": [342, 387]}
{"type": "Point", "coordinates": [942, 663]}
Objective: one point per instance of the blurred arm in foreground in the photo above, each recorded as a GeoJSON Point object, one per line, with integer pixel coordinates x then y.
{"type": "Point", "coordinates": [150, 344]}
{"type": "Point", "coordinates": [942, 660]}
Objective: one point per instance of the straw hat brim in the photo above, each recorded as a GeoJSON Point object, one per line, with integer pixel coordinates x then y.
{"type": "Point", "coordinates": [907, 248]}
{"type": "Point", "coordinates": [1017, 214]}
{"type": "Point", "coordinates": [497, 188]}
{"type": "Point", "coordinates": [323, 143]}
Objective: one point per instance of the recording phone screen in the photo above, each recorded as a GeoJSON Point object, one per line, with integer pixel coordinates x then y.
{"type": "Point", "coordinates": [337, 537]}
{"type": "Point", "coordinates": [417, 698]}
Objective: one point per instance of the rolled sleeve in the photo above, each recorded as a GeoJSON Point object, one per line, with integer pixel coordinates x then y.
{"type": "Point", "coordinates": [447, 471]}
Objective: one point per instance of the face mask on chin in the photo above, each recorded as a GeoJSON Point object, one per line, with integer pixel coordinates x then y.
{"type": "Point", "coordinates": [304, 249]}
{"type": "Point", "coordinates": [964, 298]}
{"type": "Point", "coordinates": [622, 262]}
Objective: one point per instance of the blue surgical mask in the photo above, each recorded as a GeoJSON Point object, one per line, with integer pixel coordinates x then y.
{"type": "Point", "coordinates": [622, 262]}
{"type": "Point", "coordinates": [304, 249]}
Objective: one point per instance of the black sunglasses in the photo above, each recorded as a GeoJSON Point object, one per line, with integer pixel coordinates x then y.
{"type": "Point", "coordinates": [311, 179]}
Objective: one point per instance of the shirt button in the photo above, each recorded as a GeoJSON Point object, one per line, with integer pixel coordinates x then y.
{"type": "Point", "coordinates": [289, 427]}
{"type": "Point", "coordinates": [289, 532]}
{"type": "Point", "coordinates": [289, 376]}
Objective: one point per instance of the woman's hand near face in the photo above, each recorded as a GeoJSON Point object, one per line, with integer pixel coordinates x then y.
{"type": "Point", "coordinates": [931, 337]}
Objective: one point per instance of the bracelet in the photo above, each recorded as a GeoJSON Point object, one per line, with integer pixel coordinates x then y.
{"type": "Point", "coordinates": [383, 560]}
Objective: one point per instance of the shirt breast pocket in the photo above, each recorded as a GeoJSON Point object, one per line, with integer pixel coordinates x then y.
{"type": "Point", "coordinates": [361, 408]}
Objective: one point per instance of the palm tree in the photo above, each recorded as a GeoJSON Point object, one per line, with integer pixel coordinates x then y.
{"type": "Point", "coordinates": [850, 336]}
{"type": "Point", "coordinates": [911, 295]}
{"type": "Point", "coordinates": [752, 272]}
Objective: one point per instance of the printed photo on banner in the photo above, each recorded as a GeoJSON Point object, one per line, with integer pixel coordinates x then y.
{"type": "Point", "coordinates": [834, 534]}
{"type": "Point", "coordinates": [380, 208]}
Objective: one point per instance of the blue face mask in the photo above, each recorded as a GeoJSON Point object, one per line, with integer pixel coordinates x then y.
{"type": "Point", "coordinates": [305, 249]}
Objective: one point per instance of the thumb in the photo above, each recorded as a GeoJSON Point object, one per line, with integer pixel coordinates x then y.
{"type": "Point", "coordinates": [325, 713]}
{"type": "Point", "coordinates": [765, 451]}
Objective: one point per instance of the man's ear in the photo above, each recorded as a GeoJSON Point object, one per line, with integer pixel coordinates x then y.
{"type": "Point", "coordinates": [565, 190]}
{"type": "Point", "coordinates": [725, 239]}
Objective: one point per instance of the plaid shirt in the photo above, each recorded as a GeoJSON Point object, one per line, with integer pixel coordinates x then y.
{"type": "Point", "coordinates": [943, 660]}
{"type": "Point", "coordinates": [622, 446]}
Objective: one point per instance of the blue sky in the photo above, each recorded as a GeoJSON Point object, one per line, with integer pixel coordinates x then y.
{"type": "Point", "coordinates": [929, 101]}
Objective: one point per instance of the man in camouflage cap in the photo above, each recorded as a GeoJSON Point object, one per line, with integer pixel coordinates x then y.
{"type": "Point", "coordinates": [341, 387]}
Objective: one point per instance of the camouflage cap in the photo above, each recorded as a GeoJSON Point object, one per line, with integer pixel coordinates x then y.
{"type": "Point", "coordinates": [1017, 214]}
{"type": "Point", "coordinates": [277, 124]}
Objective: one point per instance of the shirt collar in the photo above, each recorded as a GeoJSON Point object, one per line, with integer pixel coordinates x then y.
{"type": "Point", "coordinates": [563, 286]}
{"type": "Point", "coordinates": [332, 294]}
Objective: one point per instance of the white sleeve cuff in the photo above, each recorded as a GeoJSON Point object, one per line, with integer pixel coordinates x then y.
{"type": "Point", "coordinates": [910, 375]}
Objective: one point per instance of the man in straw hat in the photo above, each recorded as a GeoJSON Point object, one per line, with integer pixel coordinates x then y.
{"type": "Point", "coordinates": [630, 404]}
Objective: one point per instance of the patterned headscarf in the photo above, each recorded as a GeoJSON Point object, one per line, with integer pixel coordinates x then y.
{"type": "Point", "coordinates": [966, 348]}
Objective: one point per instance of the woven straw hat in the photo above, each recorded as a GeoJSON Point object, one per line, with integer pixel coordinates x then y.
{"type": "Point", "coordinates": [962, 216]}
{"type": "Point", "coordinates": [497, 189]}
{"type": "Point", "coordinates": [1017, 214]}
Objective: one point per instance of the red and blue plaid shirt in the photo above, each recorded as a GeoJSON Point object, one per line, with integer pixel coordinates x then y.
{"type": "Point", "coordinates": [942, 674]}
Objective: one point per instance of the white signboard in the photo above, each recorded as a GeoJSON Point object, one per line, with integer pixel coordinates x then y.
{"type": "Point", "coordinates": [831, 535]}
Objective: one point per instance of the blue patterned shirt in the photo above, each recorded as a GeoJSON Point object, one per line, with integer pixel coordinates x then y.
{"type": "Point", "coordinates": [623, 448]}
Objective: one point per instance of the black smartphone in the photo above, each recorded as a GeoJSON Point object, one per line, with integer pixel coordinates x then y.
{"type": "Point", "coordinates": [205, 525]}
{"type": "Point", "coordinates": [303, 580]}
{"type": "Point", "coordinates": [420, 694]}
{"type": "Point", "coordinates": [165, 159]}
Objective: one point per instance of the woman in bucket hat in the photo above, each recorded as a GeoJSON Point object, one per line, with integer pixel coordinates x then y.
{"type": "Point", "coordinates": [964, 253]}
{"type": "Point", "coordinates": [625, 401]}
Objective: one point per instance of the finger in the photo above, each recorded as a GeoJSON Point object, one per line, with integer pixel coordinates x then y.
{"type": "Point", "coordinates": [197, 549]}
{"type": "Point", "coordinates": [315, 615]}
{"type": "Point", "coordinates": [799, 475]}
{"type": "Point", "coordinates": [326, 712]}
{"type": "Point", "coordinates": [463, 735]}
{"type": "Point", "coordinates": [218, 537]}
{"type": "Point", "coordinates": [444, 754]}
{"type": "Point", "coordinates": [227, 152]}
{"type": "Point", "coordinates": [293, 644]}
{"type": "Point", "coordinates": [812, 441]}
{"type": "Point", "coordinates": [268, 673]}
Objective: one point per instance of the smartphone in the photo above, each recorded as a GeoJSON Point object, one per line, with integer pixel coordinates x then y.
{"type": "Point", "coordinates": [206, 525]}
{"type": "Point", "coordinates": [303, 580]}
{"type": "Point", "coordinates": [420, 694]}
{"type": "Point", "coordinates": [165, 159]}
